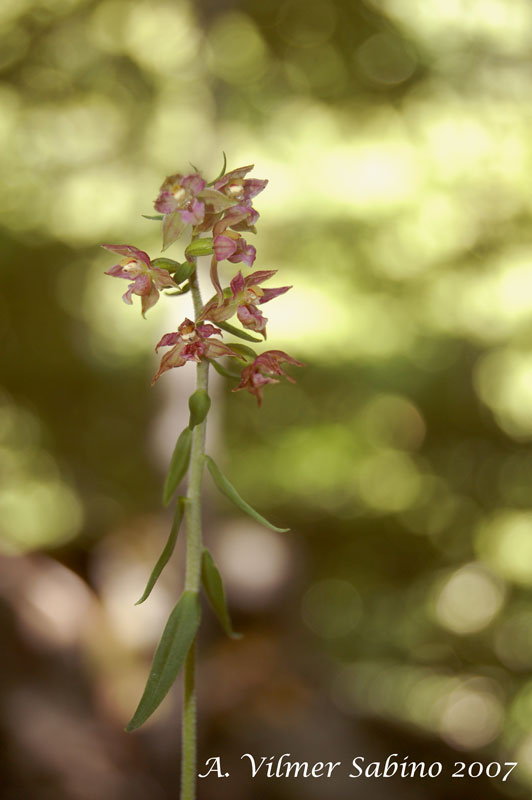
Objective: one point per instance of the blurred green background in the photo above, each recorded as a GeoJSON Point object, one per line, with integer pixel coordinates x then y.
{"type": "Point", "coordinates": [396, 617]}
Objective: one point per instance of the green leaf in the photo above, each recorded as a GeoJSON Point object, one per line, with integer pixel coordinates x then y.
{"type": "Point", "coordinates": [222, 173]}
{"type": "Point", "coordinates": [227, 373]}
{"type": "Point", "coordinates": [199, 403]}
{"type": "Point", "coordinates": [164, 558]}
{"type": "Point", "coordinates": [183, 290]}
{"type": "Point", "coordinates": [243, 349]}
{"type": "Point", "coordinates": [213, 585]}
{"type": "Point", "coordinates": [225, 326]}
{"type": "Point", "coordinates": [156, 216]}
{"type": "Point", "coordinates": [229, 490]}
{"type": "Point", "coordinates": [169, 657]}
{"type": "Point", "coordinates": [178, 464]}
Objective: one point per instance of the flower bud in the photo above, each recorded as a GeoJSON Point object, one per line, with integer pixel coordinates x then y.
{"type": "Point", "coordinates": [165, 263]}
{"type": "Point", "coordinates": [199, 404]}
{"type": "Point", "coordinates": [199, 247]}
{"type": "Point", "coordinates": [183, 271]}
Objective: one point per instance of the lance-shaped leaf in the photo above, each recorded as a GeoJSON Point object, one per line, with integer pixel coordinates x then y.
{"type": "Point", "coordinates": [213, 585]}
{"type": "Point", "coordinates": [178, 465]}
{"type": "Point", "coordinates": [164, 558]}
{"type": "Point", "coordinates": [247, 353]}
{"type": "Point", "coordinates": [155, 216]}
{"type": "Point", "coordinates": [169, 657]}
{"type": "Point", "coordinates": [229, 490]}
{"type": "Point", "coordinates": [226, 326]}
{"type": "Point", "coordinates": [182, 290]}
{"type": "Point", "coordinates": [227, 373]}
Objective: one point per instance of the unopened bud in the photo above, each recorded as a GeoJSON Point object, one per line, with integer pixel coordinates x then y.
{"type": "Point", "coordinates": [199, 404]}
{"type": "Point", "coordinates": [199, 247]}
{"type": "Point", "coordinates": [165, 263]}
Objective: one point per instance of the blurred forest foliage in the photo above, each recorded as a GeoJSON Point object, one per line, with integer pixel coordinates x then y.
{"type": "Point", "coordinates": [397, 614]}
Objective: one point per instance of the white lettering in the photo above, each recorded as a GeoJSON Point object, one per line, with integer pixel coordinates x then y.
{"type": "Point", "coordinates": [216, 767]}
{"type": "Point", "coordinates": [358, 767]}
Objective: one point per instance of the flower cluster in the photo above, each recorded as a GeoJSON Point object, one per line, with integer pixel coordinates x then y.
{"type": "Point", "coordinates": [215, 215]}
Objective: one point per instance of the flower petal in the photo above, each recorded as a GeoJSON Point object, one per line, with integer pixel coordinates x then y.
{"type": "Point", "coordinates": [168, 339]}
{"type": "Point", "coordinates": [194, 183]}
{"type": "Point", "coordinates": [128, 250]}
{"type": "Point", "coordinates": [238, 284]}
{"type": "Point", "coordinates": [252, 318]}
{"type": "Point", "coordinates": [166, 203]}
{"type": "Point", "coordinates": [149, 298]}
{"type": "Point", "coordinates": [118, 272]}
{"type": "Point", "coordinates": [269, 294]}
{"type": "Point", "coordinates": [171, 359]}
{"type": "Point", "coordinates": [233, 175]}
{"type": "Point", "coordinates": [224, 247]}
{"type": "Point", "coordinates": [194, 214]}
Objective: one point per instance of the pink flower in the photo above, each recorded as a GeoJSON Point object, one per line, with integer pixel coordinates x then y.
{"type": "Point", "coordinates": [246, 295]}
{"type": "Point", "coordinates": [185, 200]}
{"type": "Point", "coordinates": [146, 280]}
{"type": "Point", "coordinates": [191, 342]}
{"type": "Point", "coordinates": [179, 193]}
{"type": "Point", "coordinates": [229, 244]}
{"type": "Point", "coordinates": [240, 189]}
{"type": "Point", "coordinates": [263, 370]}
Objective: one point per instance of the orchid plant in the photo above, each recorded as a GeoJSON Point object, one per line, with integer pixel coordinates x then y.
{"type": "Point", "coordinates": [213, 216]}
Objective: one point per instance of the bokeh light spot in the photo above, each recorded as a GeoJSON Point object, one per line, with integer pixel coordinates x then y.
{"type": "Point", "coordinates": [385, 59]}
{"type": "Point", "coordinates": [469, 600]}
{"type": "Point", "coordinates": [237, 52]}
{"type": "Point", "coordinates": [505, 543]}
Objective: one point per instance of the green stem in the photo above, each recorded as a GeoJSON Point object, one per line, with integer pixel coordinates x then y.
{"type": "Point", "coordinates": [193, 573]}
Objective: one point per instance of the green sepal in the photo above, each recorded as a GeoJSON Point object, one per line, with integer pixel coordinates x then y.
{"type": "Point", "coordinates": [200, 247]}
{"type": "Point", "coordinates": [169, 657]}
{"type": "Point", "coordinates": [184, 271]}
{"type": "Point", "coordinates": [173, 227]}
{"type": "Point", "coordinates": [199, 403]}
{"type": "Point", "coordinates": [230, 492]}
{"type": "Point", "coordinates": [166, 263]}
{"type": "Point", "coordinates": [225, 326]}
{"type": "Point", "coordinates": [246, 352]}
{"type": "Point", "coordinates": [222, 173]}
{"type": "Point", "coordinates": [178, 464]}
{"type": "Point", "coordinates": [214, 588]}
{"type": "Point", "coordinates": [158, 217]}
{"type": "Point", "coordinates": [164, 558]}
{"type": "Point", "coordinates": [227, 373]}
{"type": "Point", "coordinates": [216, 199]}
